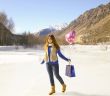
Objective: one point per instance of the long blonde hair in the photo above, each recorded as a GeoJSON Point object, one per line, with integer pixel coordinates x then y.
{"type": "Point", "coordinates": [53, 41]}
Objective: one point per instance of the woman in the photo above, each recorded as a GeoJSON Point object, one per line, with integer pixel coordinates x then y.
{"type": "Point", "coordinates": [52, 48]}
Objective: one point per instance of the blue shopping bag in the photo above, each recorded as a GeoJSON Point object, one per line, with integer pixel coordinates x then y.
{"type": "Point", "coordinates": [70, 71]}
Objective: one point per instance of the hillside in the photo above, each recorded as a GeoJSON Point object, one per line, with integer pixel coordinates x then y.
{"type": "Point", "coordinates": [91, 27]}
{"type": "Point", "coordinates": [6, 37]}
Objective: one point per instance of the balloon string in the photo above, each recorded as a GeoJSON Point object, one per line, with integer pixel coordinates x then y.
{"type": "Point", "coordinates": [70, 47]}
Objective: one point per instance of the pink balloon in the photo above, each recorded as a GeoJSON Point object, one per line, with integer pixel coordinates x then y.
{"type": "Point", "coordinates": [70, 37]}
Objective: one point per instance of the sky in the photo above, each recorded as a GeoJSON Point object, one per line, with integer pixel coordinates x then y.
{"type": "Point", "coordinates": [34, 15]}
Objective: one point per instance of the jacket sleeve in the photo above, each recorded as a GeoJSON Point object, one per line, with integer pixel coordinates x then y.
{"type": "Point", "coordinates": [61, 55]}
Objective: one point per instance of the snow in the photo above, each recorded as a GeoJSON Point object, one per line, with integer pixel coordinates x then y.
{"type": "Point", "coordinates": [21, 73]}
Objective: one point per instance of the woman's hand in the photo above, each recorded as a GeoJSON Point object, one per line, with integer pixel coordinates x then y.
{"type": "Point", "coordinates": [42, 62]}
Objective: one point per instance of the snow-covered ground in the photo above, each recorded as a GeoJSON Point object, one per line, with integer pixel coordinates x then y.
{"type": "Point", "coordinates": [21, 73]}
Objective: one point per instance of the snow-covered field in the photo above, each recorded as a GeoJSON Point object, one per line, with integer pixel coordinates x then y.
{"type": "Point", "coordinates": [21, 73]}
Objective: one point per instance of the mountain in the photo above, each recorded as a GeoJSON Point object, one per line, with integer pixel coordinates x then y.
{"type": "Point", "coordinates": [92, 27]}
{"type": "Point", "coordinates": [46, 31]}
{"type": "Point", "coordinates": [9, 38]}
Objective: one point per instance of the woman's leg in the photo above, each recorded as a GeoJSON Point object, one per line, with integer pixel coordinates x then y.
{"type": "Point", "coordinates": [50, 73]}
{"type": "Point", "coordinates": [56, 72]}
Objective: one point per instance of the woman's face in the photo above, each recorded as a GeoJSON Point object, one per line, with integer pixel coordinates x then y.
{"type": "Point", "coordinates": [49, 40]}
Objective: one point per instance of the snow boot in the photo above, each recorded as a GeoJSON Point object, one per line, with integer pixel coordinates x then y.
{"type": "Point", "coordinates": [63, 87]}
{"type": "Point", "coordinates": [52, 90]}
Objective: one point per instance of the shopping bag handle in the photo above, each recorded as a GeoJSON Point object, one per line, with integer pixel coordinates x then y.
{"type": "Point", "coordinates": [69, 62]}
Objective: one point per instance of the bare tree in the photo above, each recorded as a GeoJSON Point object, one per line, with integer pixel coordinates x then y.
{"type": "Point", "coordinates": [8, 23]}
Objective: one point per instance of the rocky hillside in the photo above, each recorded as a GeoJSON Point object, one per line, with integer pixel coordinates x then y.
{"type": "Point", "coordinates": [92, 27]}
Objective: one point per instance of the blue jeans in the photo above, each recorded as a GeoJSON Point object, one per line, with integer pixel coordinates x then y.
{"type": "Point", "coordinates": [54, 68]}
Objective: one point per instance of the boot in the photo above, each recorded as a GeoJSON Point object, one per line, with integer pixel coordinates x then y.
{"type": "Point", "coordinates": [63, 87]}
{"type": "Point", "coordinates": [52, 90]}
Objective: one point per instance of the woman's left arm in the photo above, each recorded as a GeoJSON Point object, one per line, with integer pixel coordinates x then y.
{"type": "Point", "coordinates": [62, 56]}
